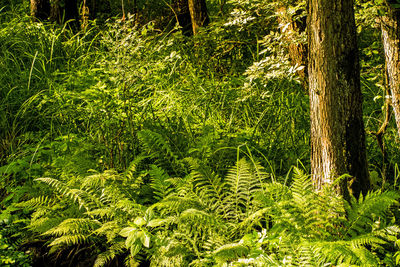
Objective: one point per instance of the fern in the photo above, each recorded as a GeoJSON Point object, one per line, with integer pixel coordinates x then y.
{"type": "Point", "coordinates": [366, 210]}
{"type": "Point", "coordinates": [74, 226]}
{"type": "Point", "coordinates": [210, 188]}
{"type": "Point", "coordinates": [69, 240]}
{"type": "Point", "coordinates": [77, 195]}
{"type": "Point", "coordinates": [160, 149]}
{"type": "Point", "coordinates": [242, 187]}
{"type": "Point", "coordinates": [41, 201]}
{"type": "Point", "coordinates": [178, 204]}
{"type": "Point", "coordinates": [230, 252]}
{"type": "Point", "coordinates": [160, 182]}
{"type": "Point", "coordinates": [104, 206]}
{"type": "Point", "coordinates": [108, 255]}
{"type": "Point", "coordinates": [320, 229]}
{"type": "Point", "coordinates": [201, 218]}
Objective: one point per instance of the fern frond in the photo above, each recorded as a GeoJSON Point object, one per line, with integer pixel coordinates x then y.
{"type": "Point", "coordinates": [76, 195]}
{"type": "Point", "coordinates": [366, 240]}
{"type": "Point", "coordinates": [362, 213]}
{"type": "Point", "coordinates": [173, 204]}
{"type": "Point", "coordinates": [169, 255]}
{"type": "Point", "coordinates": [99, 180]}
{"type": "Point", "coordinates": [132, 169]}
{"type": "Point", "coordinates": [230, 252]}
{"type": "Point", "coordinates": [160, 182]}
{"type": "Point", "coordinates": [106, 257]}
{"type": "Point", "coordinates": [69, 240]}
{"type": "Point", "coordinates": [129, 207]}
{"type": "Point", "coordinates": [102, 213]}
{"type": "Point", "coordinates": [41, 201]}
{"type": "Point", "coordinates": [160, 149]}
{"type": "Point", "coordinates": [43, 224]}
{"type": "Point", "coordinates": [198, 217]}
{"type": "Point", "coordinates": [243, 185]}
{"type": "Point", "coordinates": [339, 252]}
{"type": "Point", "coordinates": [74, 226]}
{"type": "Point", "coordinates": [56, 184]}
{"type": "Point", "coordinates": [210, 188]}
{"type": "Point", "coordinates": [254, 218]}
{"type": "Point", "coordinates": [109, 229]}
{"type": "Point", "coordinates": [302, 189]}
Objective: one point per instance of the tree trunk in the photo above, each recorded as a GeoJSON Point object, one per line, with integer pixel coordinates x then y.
{"type": "Point", "coordinates": [62, 11]}
{"type": "Point", "coordinates": [198, 14]}
{"type": "Point", "coordinates": [40, 9]}
{"type": "Point", "coordinates": [182, 14]}
{"type": "Point", "coordinates": [337, 127]}
{"type": "Point", "coordinates": [390, 26]}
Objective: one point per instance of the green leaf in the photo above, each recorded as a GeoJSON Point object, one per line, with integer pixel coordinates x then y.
{"type": "Point", "coordinates": [127, 231]}
{"type": "Point", "coordinates": [139, 221]}
{"type": "Point", "coordinates": [135, 248]}
{"type": "Point", "coordinates": [144, 238]}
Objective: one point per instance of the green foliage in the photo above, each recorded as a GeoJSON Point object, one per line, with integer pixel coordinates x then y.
{"type": "Point", "coordinates": [130, 130]}
{"type": "Point", "coordinates": [93, 214]}
{"type": "Point", "coordinates": [252, 220]}
{"type": "Point", "coordinates": [9, 253]}
{"type": "Point", "coordinates": [307, 228]}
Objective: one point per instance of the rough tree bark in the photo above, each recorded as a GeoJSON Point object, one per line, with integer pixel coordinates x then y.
{"type": "Point", "coordinates": [40, 9]}
{"type": "Point", "coordinates": [390, 25]}
{"type": "Point", "coordinates": [198, 14]}
{"type": "Point", "coordinates": [337, 127]}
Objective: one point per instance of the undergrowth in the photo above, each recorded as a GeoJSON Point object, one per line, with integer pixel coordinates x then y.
{"type": "Point", "coordinates": [202, 219]}
{"type": "Point", "coordinates": [119, 143]}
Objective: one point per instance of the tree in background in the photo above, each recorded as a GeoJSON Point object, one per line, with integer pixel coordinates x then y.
{"type": "Point", "coordinates": [390, 25]}
{"type": "Point", "coordinates": [191, 14]}
{"type": "Point", "coordinates": [40, 9]}
{"type": "Point", "coordinates": [337, 127]}
{"type": "Point", "coordinates": [62, 11]}
{"type": "Point", "coordinates": [198, 14]}
{"type": "Point", "coordinates": [292, 21]}
{"type": "Point", "coordinates": [58, 10]}
{"type": "Point", "coordinates": [182, 14]}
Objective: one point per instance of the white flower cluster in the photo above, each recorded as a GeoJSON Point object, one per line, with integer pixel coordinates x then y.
{"type": "Point", "coordinates": [239, 18]}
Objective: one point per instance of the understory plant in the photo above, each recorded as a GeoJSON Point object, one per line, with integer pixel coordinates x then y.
{"type": "Point", "coordinates": [244, 218]}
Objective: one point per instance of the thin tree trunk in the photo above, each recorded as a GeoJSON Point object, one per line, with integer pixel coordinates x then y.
{"type": "Point", "coordinates": [198, 14]}
{"type": "Point", "coordinates": [390, 26]}
{"type": "Point", "coordinates": [337, 127]}
{"type": "Point", "coordinates": [40, 9]}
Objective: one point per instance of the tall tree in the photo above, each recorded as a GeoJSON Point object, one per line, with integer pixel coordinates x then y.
{"type": "Point", "coordinates": [40, 9]}
{"type": "Point", "coordinates": [198, 14]}
{"type": "Point", "coordinates": [390, 25]}
{"type": "Point", "coordinates": [337, 127]}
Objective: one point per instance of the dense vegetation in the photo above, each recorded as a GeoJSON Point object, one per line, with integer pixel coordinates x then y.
{"type": "Point", "coordinates": [128, 142]}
